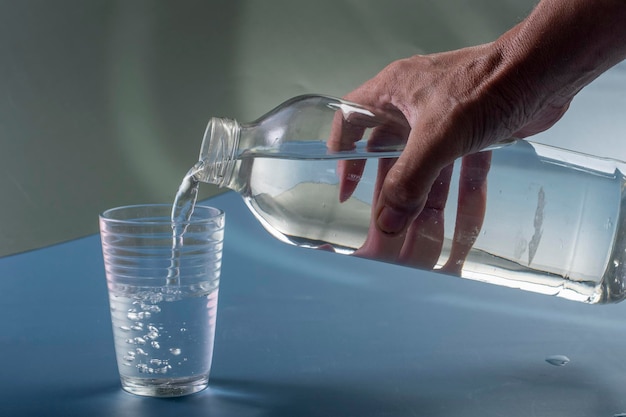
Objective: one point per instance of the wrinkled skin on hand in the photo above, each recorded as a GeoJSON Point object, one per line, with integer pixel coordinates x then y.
{"type": "Point", "coordinates": [454, 104]}
{"type": "Point", "coordinates": [420, 178]}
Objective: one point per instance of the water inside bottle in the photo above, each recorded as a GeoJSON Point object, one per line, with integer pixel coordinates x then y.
{"type": "Point", "coordinates": [550, 226]}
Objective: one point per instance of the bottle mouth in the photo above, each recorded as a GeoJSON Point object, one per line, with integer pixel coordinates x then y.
{"type": "Point", "coordinates": [217, 152]}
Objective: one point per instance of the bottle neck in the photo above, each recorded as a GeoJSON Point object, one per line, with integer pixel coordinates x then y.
{"type": "Point", "coordinates": [218, 151]}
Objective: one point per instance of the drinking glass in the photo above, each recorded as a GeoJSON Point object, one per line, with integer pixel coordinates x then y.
{"type": "Point", "coordinates": [163, 282]}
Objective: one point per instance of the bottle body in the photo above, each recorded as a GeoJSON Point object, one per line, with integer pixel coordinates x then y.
{"type": "Point", "coordinates": [548, 220]}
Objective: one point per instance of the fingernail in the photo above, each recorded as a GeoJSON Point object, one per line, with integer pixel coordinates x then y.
{"type": "Point", "coordinates": [391, 221]}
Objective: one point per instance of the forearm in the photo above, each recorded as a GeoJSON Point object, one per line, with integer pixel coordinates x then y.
{"type": "Point", "coordinates": [565, 44]}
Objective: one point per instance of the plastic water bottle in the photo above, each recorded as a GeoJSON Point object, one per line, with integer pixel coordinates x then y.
{"type": "Point", "coordinates": [523, 215]}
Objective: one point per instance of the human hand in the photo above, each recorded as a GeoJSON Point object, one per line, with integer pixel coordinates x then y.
{"type": "Point", "coordinates": [415, 186]}
{"type": "Point", "coordinates": [423, 244]}
{"type": "Point", "coordinates": [456, 103]}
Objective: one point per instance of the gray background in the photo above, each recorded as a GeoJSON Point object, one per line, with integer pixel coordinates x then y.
{"type": "Point", "coordinates": [104, 103]}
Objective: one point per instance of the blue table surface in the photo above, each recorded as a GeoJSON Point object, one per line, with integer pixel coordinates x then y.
{"type": "Point", "coordinates": [310, 333]}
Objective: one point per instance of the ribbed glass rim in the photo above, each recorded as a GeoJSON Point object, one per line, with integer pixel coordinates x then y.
{"type": "Point", "coordinates": [209, 214]}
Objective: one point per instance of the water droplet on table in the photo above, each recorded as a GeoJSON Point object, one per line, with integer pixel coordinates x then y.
{"type": "Point", "coordinates": [557, 360]}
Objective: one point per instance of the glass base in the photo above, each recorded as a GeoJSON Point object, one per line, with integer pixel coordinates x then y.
{"type": "Point", "coordinates": [164, 387]}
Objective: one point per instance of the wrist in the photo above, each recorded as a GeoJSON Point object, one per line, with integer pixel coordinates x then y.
{"type": "Point", "coordinates": [563, 45]}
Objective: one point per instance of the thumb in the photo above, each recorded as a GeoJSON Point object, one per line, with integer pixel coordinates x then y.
{"type": "Point", "coordinates": [405, 189]}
